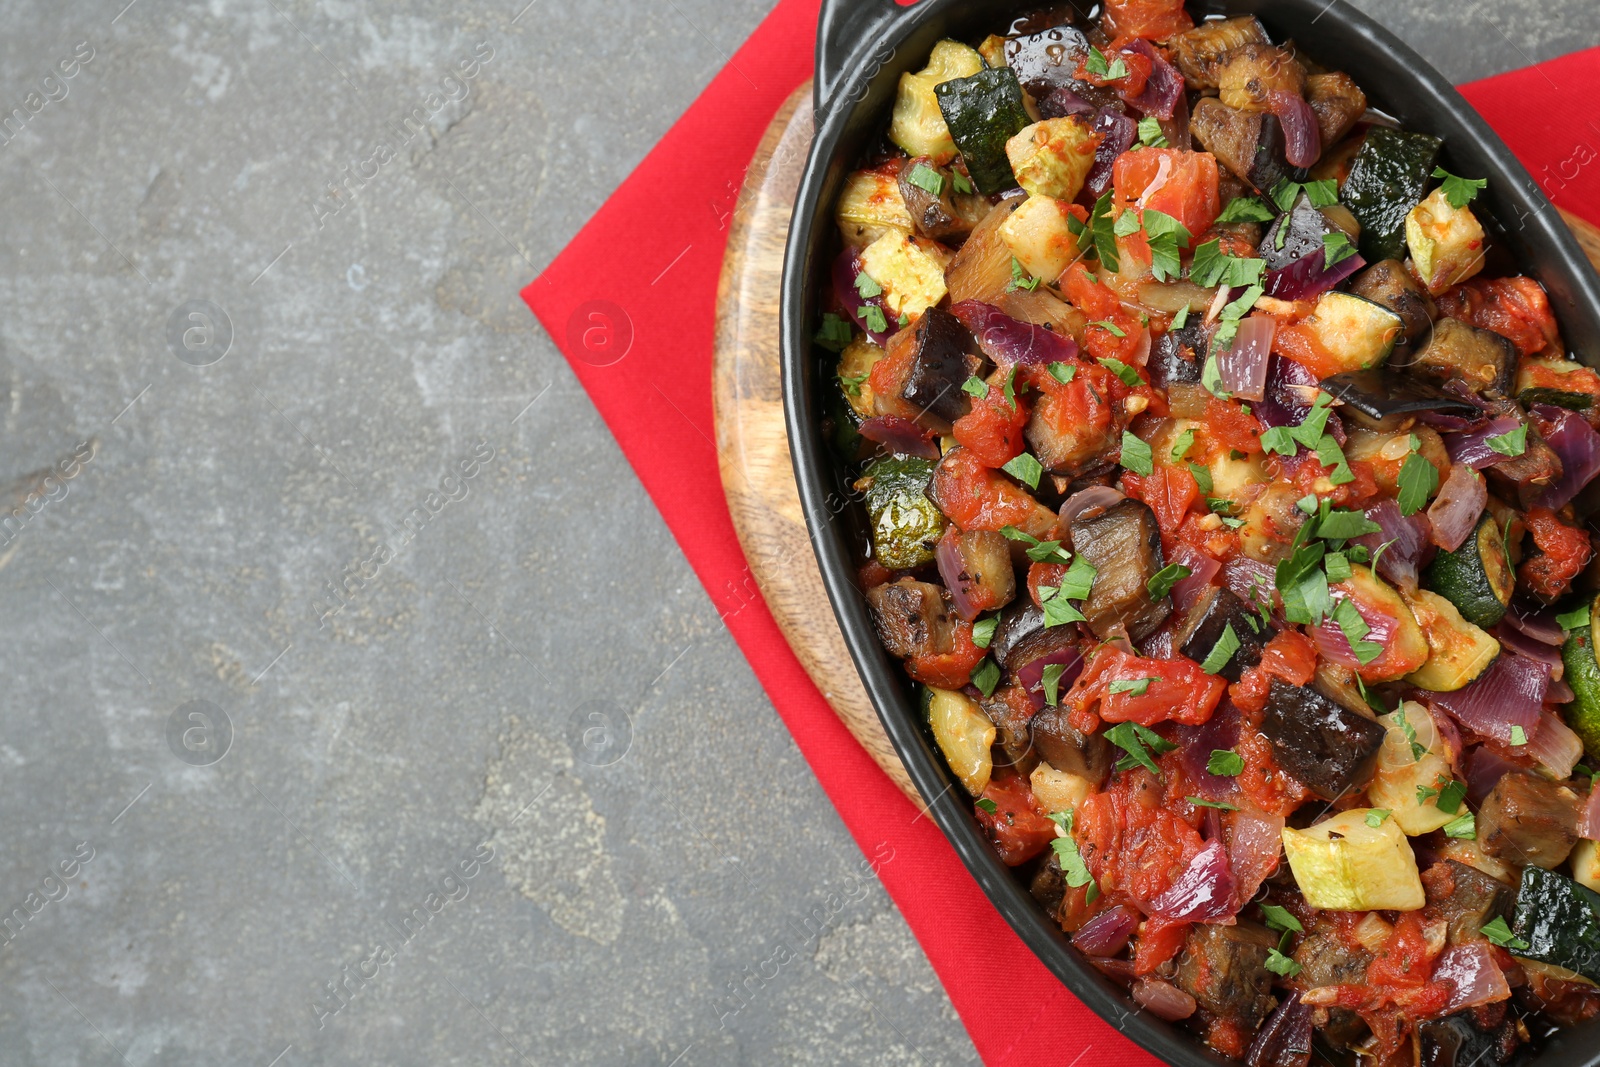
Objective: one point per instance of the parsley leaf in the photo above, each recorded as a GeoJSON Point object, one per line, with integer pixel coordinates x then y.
{"type": "Point", "coordinates": [867, 287]}
{"type": "Point", "coordinates": [1224, 762]}
{"type": "Point", "coordinates": [1096, 64]}
{"type": "Point", "coordinates": [1063, 372]}
{"type": "Point", "coordinates": [1212, 267]}
{"type": "Point", "coordinates": [1519, 736]}
{"type": "Point", "coordinates": [1460, 191]}
{"type": "Point", "coordinates": [1129, 376]}
{"type": "Point", "coordinates": [1376, 817]}
{"type": "Point", "coordinates": [983, 631]}
{"type": "Point", "coordinates": [1150, 133]}
{"type": "Point", "coordinates": [1103, 234]}
{"type": "Point", "coordinates": [1222, 651]}
{"type": "Point", "coordinates": [1128, 224]}
{"type": "Point", "coordinates": [1137, 686]}
{"type": "Point", "coordinates": [1355, 629]}
{"type": "Point", "coordinates": [1336, 248]}
{"type": "Point", "coordinates": [1278, 963]}
{"type": "Point", "coordinates": [1281, 919]}
{"type": "Point", "coordinates": [1245, 209]}
{"type": "Point", "coordinates": [1132, 739]}
{"type": "Point", "coordinates": [1020, 279]}
{"type": "Point", "coordinates": [1340, 524]}
{"type": "Point", "coordinates": [1575, 619]}
{"type": "Point", "coordinates": [926, 178]}
{"type": "Point", "coordinates": [1231, 316]}
{"type": "Point", "coordinates": [1497, 931]}
{"type": "Point", "coordinates": [1136, 455]}
{"type": "Point", "coordinates": [1051, 680]}
{"type": "Point", "coordinates": [1078, 582]}
{"type": "Point", "coordinates": [986, 676]}
{"type": "Point", "coordinates": [1166, 236]}
{"type": "Point", "coordinates": [873, 316]}
{"type": "Point", "coordinates": [1462, 826]}
{"type": "Point", "coordinates": [1278, 439]}
{"type": "Point", "coordinates": [1161, 583]}
{"type": "Point", "coordinates": [1201, 802]}
{"type": "Point", "coordinates": [1182, 443]}
{"type": "Point", "coordinates": [1058, 610]}
{"type": "Point", "coordinates": [1115, 331]}
{"type": "Point", "coordinates": [962, 185]}
{"type": "Point", "coordinates": [834, 334]}
{"type": "Point", "coordinates": [975, 386]}
{"type": "Point", "coordinates": [1401, 720]}
{"type": "Point", "coordinates": [1451, 794]}
{"type": "Point", "coordinates": [1419, 480]}
{"type": "Point", "coordinates": [1025, 469]}
{"type": "Point", "coordinates": [1181, 319]}
{"type": "Point", "coordinates": [1337, 565]}
{"type": "Point", "coordinates": [1514, 443]}
{"type": "Point", "coordinates": [1073, 869]}
{"type": "Point", "coordinates": [1202, 477]}
{"type": "Point", "coordinates": [985, 804]}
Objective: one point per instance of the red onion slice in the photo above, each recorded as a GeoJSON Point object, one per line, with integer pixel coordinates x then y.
{"type": "Point", "coordinates": [1332, 643]}
{"type": "Point", "coordinates": [1485, 767]}
{"type": "Point", "coordinates": [1255, 845]}
{"type": "Point", "coordinates": [1061, 102]}
{"type": "Point", "coordinates": [900, 435]}
{"type": "Point", "coordinates": [1473, 449]}
{"type": "Point", "coordinates": [1202, 569]}
{"type": "Point", "coordinates": [1163, 89]}
{"type": "Point", "coordinates": [1510, 693]}
{"type": "Point", "coordinates": [1163, 999]}
{"type": "Point", "coordinates": [1107, 933]}
{"type": "Point", "coordinates": [1009, 341]}
{"type": "Point", "coordinates": [1454, 512]}
{"type": "Point", "coordinates": [1537, 622]}
{"type": "Point", "coordinates": [1523, 645]}
{"type": "Point", "coordinates": [1195, 745]}
{"type": "Point", "coordinates": [1204, 891]}
{"type": "Point", "coordinates": [1589, 821]}
{"type": "Point", "coordinates": [1555, 746]}
{"type": "Point", "coordinates": [1408, 537]}
{"type": "Point", "coordinates": [1117, 134]}
{"type": "Point", "coordinates": [1243, 367]}
{"type": "Point", "coordinates": [1285, 1039]}
{"type": "Point", "coordinates": [1250, 580]}
{"type": "Point", "coordinates": [1031, 674]}
{"type": "Point", "coordinates": [846, 269]}
{"type": "Point", "coordinates": [1301, 135]}
{"type": "Point", "coordinates": [1575, 441]}
{"type": "Point", "coordinates": [1471, 969]}
{"type": "Point", "coordinates": [952, 571]}
{"type": "Point", "coordinates": [1096, 496]}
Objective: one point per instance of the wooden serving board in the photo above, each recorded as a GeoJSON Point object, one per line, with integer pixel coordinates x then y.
{"type": "Point", "coordinates": [753, 450]}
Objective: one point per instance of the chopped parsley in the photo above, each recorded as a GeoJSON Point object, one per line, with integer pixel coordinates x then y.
{"type": "Point", "coordinates": [1278, 963]}
{"type": "Point", "coordinates": [1136, 455]}
{"type": "Point", "coordinates": [1419, 480]}
{"type": "Point", "coordinates": [1137, 686]}
{"type": "Point", "coordinates": [1376, 817]}
{"type": "Point", "coordinates": [1462, 826]}
{"type": "Point", "coordinates": [1224, 763]}
{"type": "Point", "coordinates": [1181, 319]}
{"type": "Point", "coordinates": [1052, 683]}
{"type": "Point", "coordinates": [986, 676]}
{"type": "Point", "coordinates": [1020, 279]}
{"type": "Point", "coordinates": [1211, 267]}
{"type": "Point", "coordinates": [1201, 802]}
{"type": "Point", "coordinates": [975, 386]}
{"type": "Point", "coordinates": [1166, 236]}
{"type": "Point", "coordinates": [983, 631]}
{"type": "Point", "coordinates": [1231, 317]}
{"type": "Point", "coordinates": [1133, 739]}
{"type": "Point", "coordinates": [1115, 331]}
{"type": "Point", "coordinates": [1336, 248]}
{"type": "Point", "coordinates": [1519, 736]}
{"type": "Point", "coordinates": [1513, 443]}
{"type": "Point", "coordinates": [1418, 750]}
{"type": "Point", "coordinates": [1129, 376]}
{"type": "Point", "coordinates": [873, 316]}
{"type": "Point", "coordinates": [1222, 651]}
{"type": "Point", "coordinates": [1337, 566]}
{"type": "Point", "coordinates": [1321, 194]}
{"type": "Point", "coordinates": [1341, 524]}
{"type": "Point", "coordinates": [1063, 372]}
{"type": "Point", "coordinates": [834, 334]}
{"type": "Point", "coordinates": [1161, 583]}
{"type": "Point", "coordinates": [1355, 629]}
{"type": "Point", "coordinates": [852, 383]}
{"type": "Point", "coordinates": [1281, 919]}
{"type": "Point", "coordinates": [985, 804]}
{"type": "Point", "coordinates": [1073, 869]}
{"type": "Point", "coordinates": [1103, 235]}
{"type": "Point", "coordinates": [1575, 619]}
{"type": "Point", "coordinates": [1097, 65]}
{"type": "Point", "coordinates": [1038, 551]}
{"type": "Point", "coordinates": [926, 178]}
{"type": "Point", "coordinates": [1245, 209]}
{"type": "Point", "coordinates": [867, 287]}
{"type": "Point", "coordinates": [1025, 469]}
{"type": "Point", "coordinates": [1497, 931]}
{"type": "Point", "coordinates": [1150, 134]}
{"type": "Point", "coordinates": [1460, 191]}
{"type": "Point", "coordinates": [1182, 443]}
{"type": "Point", "coordinates": [962, 185]}
{"type": "Point", "coordinates": [1202, 477]}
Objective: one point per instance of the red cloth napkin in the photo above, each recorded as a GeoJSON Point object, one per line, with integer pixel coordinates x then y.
{"type": "Point", "coordinates": [637, 329]}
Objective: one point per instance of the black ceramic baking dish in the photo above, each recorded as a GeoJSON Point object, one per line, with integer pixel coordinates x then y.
{"type": "Point", "coordinates": [863, 47]}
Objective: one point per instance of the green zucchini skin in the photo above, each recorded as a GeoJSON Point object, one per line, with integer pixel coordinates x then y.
{"type": "Point", "coordinates": [906, 525]}
{"type": "Point", "coordinates": [1475, 577]}
{"type": "Point", "coordinates": [1560, 922]}
{"type": "Point", "coordinates": [1556, 397]}
{"type": "Point", "coordinates": [1583, 675]}
{"type": "Point", "coordinates": [1388, 178]}
{"type": "Point", "coordinates": [983, 113]}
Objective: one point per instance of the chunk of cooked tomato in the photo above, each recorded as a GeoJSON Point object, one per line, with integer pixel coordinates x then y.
{"type": "Point", "coordinates": [1563, 553]}
{"type": "Point", "coordinates": [1132, 840]}
{"type": "Point", "coordinates": [1160, 939]}
{"type": "Point", "coordinates": [1189, 192]}
{"type": "Point", "coordinates": [1289, 656]}
{"type": "Point", "coordinates": [976, 497]}
{"type": "Point", "coordinates": [1016, 827]}
{"type": "Point", "coordinates": [1120, 687]}
{"type": "Point", "coordinates": [952, 669]}
{"type": "Point", "coordinates": [1130, 81]}
{"type": "Point", "coordinates": [1170, 492]}
{"type": "Point", "coordinates": [1154, 19]}
{"type": "Point", "coordinates": [992, 429]}
{"type": "Point", "coordinates": [1229, 426]}
{"type": "Point", "coordinates": [1517, 309]}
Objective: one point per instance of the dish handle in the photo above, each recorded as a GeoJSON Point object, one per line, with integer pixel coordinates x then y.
{"type": "Point", "coordinates": [844, 27]}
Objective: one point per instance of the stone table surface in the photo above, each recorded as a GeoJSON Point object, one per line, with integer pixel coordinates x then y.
{"type": "Point", "coordinates": [251, 392]}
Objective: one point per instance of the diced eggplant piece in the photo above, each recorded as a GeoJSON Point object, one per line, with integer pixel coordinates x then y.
{"type": "Point", "coordinates": [1383, 394]}
{"type": "Point", "coordinates": [1201, 51]}
{"type": "Point", "coordinates": [1010, 709]}
{"type": "Point", "coordinates": [1064, 442]}
{"type": "Point", "coordinates": [1251, 72]}
{"type": "Point", "coordinates": [933, 213]}
{"type": "Point", "coordinates": [1327, 747]}
{"type": "Point", "coordinates": [1464, 897]}
{"type": "Point", "coordinates": [940, 366]}
{"type": "Point", "coordinates": [1325, 959]}
{"type": "Point", "coordinates": [1022, 636]}
{"type": "Point", "coordinates": [986, 575]}
{"type": "Point", "coordinates": [1458, 1041]}
{"type": "Point", "coordinates": [1390, 284]}
{"type": "Point", "coordinates": [1249, 143]}
{"type": "Point", "coordinates": [1048, 59]}
{"type": "Point", "coordinates": [1525, 477]}
{"type": "Point", "coordinates": [1529, 821]}
{"type": "Point", "coordinates": [912, 618]}
{"type": "Point", "coordinates": [1179, 357]}
{"type": "Point", "coordinates": [1296, 235]}
{"type": "Point", "coordinates": [1049, 887]}
{"type": "Point", "coordinates": [1224, 968]}
{"type": "Point", "coordinates": [1482, 359]}
{"type": "Point", "coordinates": [1338, 102]}
{"type": "Point", "coordinates": [1065, 749]}
{"type": "Point", "coordinates": [1123, 542]}
{"type": "Point", "coordinates": [1209, 618]}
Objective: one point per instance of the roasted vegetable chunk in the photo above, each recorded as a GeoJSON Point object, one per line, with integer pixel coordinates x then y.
{"type": "Point", "coordinates": [1249, 143]}
{"type": "Point", "coordinates": [1123, 542]}
{"type": "Point", "coordinates": [1559, 922]}
{"type": "Point", "coordinates": [940, 365]}
{"type": "Point", "coordinates": [1338, 102]}
{"type": "Point", "coordinates": [1224, 968]}
{"type": "Point", "coordinates": [1482, 359]}
{"type": "Point", "coordinates": [1202, 51]}
{"type": "Point", "coordinates": [912, 618]}
{"type": "Point", "coordinates": [1210, 617]}
{"type": "Point", "coordinates": [1324, 745]}
{"type": "Point", "coordinates": [1390, 284]}
{"type": "Point", "coordinates": [928, 194]}
{"type": "Point", "coordinates": [1527, 820]}
{"type": "Point", "coordinates": [1464, 897]}
{"type": "Point", "coordinates": [1064, 748]}
{"type": "Point", "coordinates": [1459, 1041]}
{"type": "Point", "coordinates": [1388, 178]}
{"type": "Point", "coordinates": [905, 525]}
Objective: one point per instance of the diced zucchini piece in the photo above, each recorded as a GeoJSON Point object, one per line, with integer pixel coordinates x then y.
{"type": "Point", "coordinates": [982, 113]}
{"type": "Point", "coordinates": [855, 364]}
{"type": "Point", "coordinates": [1356, 332]}
{"type": "Point", "coordinates": [1458, 651]}
{"type": "Point", "coordinates": [1586, 864]}
{"type": "Point", "coordinates": [910, 270]}
{"type": "Point", "coordinates": [1539, 382]}
{"type": "Point", "coordinates": [918, 125]}
{"type": "Point", "coordinates": [1040, 239]}
{"type": "Point", "coordinates": [993, 50]}
{"type": "Point", "coordinates": [1053, 157]}
{"type": "Point", "coordinates": [906, 526]}
{"type": "Point", "coordinates": [1059, 790]}
{"type": "Point", "coordinates": [1401, 773]}
{"type": "Point", "coordinates": [1344, 864]}
{"type": "Point", "coordinates": [964, 734]}
{"type": "Point", "coordinates": [1406, 645]}
{"type": "Point", "coordinates": [1388, 178]}
{"type": "Point", "coordinates": [1446, 242]}
{"type": "Point", "coordinates": [1559, 921]}
{"type": "Point", "coordinates": [1477, 577]}
{"type": "Point", "coordinates": [1583, 675]}
{"type": "Point", "coordinates": [870, 207]}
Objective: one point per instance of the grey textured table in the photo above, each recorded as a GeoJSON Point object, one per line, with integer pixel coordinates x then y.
{"type": "Point", "coordinates": [327, 503]}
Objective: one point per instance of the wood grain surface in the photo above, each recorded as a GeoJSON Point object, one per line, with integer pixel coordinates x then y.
{"type": "Point", "coordinates": [752, 447]}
